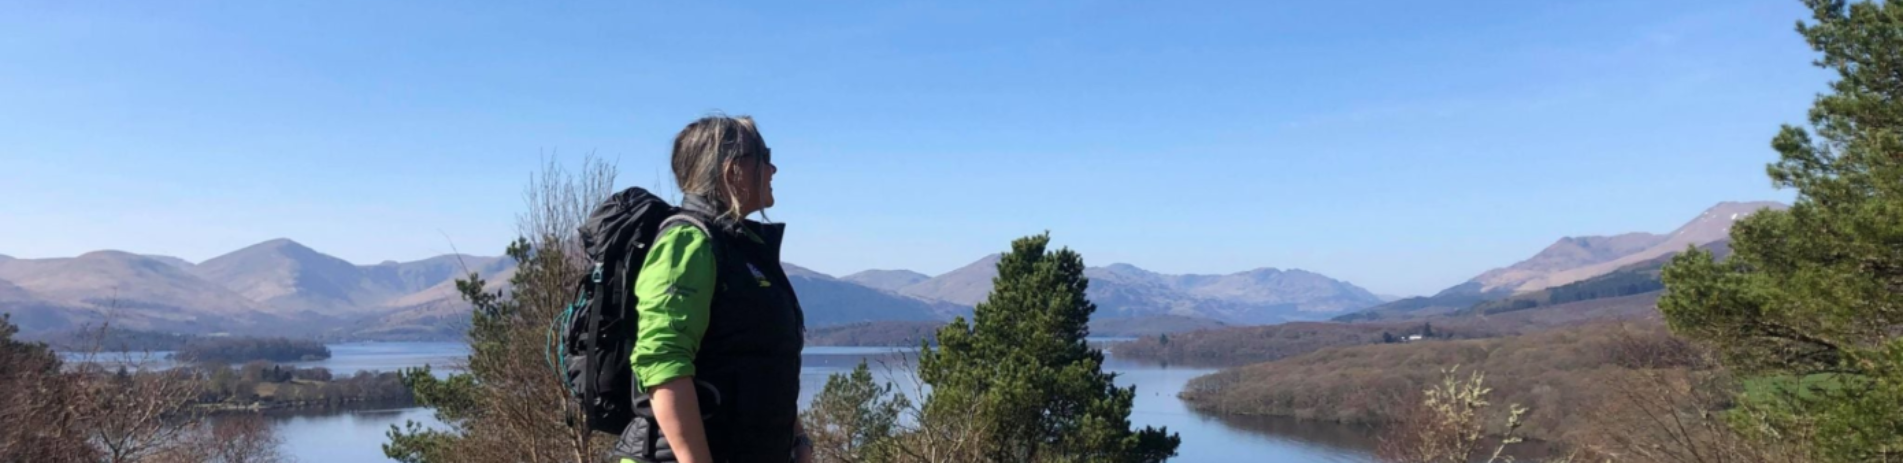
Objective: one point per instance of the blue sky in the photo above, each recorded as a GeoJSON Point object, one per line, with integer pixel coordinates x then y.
{"type": "Point", "coordinates": [1404, 146]}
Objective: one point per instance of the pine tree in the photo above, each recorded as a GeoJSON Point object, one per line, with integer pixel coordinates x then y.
{"type": "Point", "coordinates": [1021, 376]}
{"type": "Point", "coordinates": [854, 419]}
{"type": "Point", "coordinates": [1812, 297]}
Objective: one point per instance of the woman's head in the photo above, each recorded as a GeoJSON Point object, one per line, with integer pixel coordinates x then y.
{"type": "Point", "coordinates": [724, 160]}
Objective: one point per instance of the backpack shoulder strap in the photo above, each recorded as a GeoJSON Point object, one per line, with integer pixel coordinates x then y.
{"type": "Point", "coordinates": [689, 219]}
{"type": "Point", "coordinates": [713, 236]}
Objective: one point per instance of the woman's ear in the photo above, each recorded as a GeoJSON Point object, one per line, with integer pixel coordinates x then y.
{"type": "Point", "coordinates": [730, 172]}
{"type": "Point", "coordinates": [732, 176]}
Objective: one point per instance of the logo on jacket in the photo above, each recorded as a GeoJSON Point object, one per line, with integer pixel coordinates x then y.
{"type": "Point", "coordinates": [758, 275]}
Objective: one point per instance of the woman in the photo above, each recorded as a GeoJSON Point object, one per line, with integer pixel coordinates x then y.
{"type": "Point", "coordinates": [720, 331]}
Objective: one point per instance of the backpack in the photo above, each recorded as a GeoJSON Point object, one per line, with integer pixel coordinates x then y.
{"type": "Point", "coordinates": [597, 330]}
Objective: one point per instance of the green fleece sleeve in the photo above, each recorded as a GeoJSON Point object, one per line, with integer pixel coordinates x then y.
{"type": "Point", "coordinates": [675, 293]}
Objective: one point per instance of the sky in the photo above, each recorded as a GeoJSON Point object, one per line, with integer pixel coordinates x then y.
{"type": "Point", "coordinates": [1403, 146]}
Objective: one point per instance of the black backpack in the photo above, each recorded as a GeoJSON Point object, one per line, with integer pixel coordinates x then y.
{"type": "Point", "coordinates": [597, 331]}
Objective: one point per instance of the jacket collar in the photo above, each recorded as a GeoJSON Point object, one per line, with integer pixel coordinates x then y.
{"type": "Point", "coordinates": [767, 235]}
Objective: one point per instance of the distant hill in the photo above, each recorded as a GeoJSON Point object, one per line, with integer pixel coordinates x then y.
{"type": "Point", "coordinates": [1627, 293]}
{"type": "Point", "coordinates": [1566, 254]}
{"type": "Point", "coordinates": [1713, 225]}
{"type": "Point", "coordinates": [292, 277]}
{"type": "Point", "coordinates": [289, 276]}
{"type": "Point", "coordinates": [1447, 301]}
{"type": "Point", "coordinates": [1638, 278]}
{"type": "Point", "coordinates": [1570, 260]}
{"type": "Point", "coordinates": [278, 287]}
{"type": "Point", "coordinates": [131, 290]}
{"type": "Point", "coordinates": [32, 314]}
{"type": "Point", "coordinates": [437, 312]}
{"type": "Point", "coordinates": [884, 333]}
{"type": "Point", "coordinates": [1121, 290]}
{"type": "Point", "coordinates": [889, 280]}
{"type": "Point", "coordinates": [411, 277]}
{"type": "Point", "coordinates": [437, 319]}
{"type": "Point", "coordinates": [495, 273]}
{"type": "Point", "coordinates": [1304, 290]}
{"type": "Point", "coordinates": [967, 285]}
{"type": "Point", "coordinates": [13, 292]}
{"type": "Point", "coordinates": [1261, 296]}
{"type": "Point", "coordinates": [181, 264]}
{"type": "Point", "coordinates": [831, 301]}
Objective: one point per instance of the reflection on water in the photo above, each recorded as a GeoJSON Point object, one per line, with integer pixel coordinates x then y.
{"type": "Point", "coordinates": [1208, 438]}
{"type": "Point", "coordinates": [317, 436]}
{"type": "Point", "coordinates": [1320, 437]}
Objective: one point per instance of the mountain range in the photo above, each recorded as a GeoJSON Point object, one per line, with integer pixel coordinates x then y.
{"type": "Point", "coordinates": [278, 286]}
{"type": "Point", "coordinates": [282, 287]}
{"type": "Point", "coordinates": [1259, 296]}
{"type": "Point", "coordinates": [1630, 258]}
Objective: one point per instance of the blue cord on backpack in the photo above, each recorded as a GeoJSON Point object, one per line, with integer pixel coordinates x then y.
{"type": "Point", "coordinates": [554, 354]}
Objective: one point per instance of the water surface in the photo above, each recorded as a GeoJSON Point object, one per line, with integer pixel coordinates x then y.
{"type": "Point", "coordinates": [350, 436]}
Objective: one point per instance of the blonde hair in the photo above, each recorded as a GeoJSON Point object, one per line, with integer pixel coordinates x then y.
{"type": "Point", "coordinates": [704, 149]}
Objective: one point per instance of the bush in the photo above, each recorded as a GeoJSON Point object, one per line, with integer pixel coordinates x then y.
{"type": "Point", "coordinates": [1557, 374]}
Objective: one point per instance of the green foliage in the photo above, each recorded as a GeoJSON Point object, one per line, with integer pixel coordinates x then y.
{"type": "Point", "coordinates": [452, 397]}
{"type": "Point", "coordinates": [415, 444]}
{"type": "Point", "coordinates": [1797, 387]}
{"type": "Point", "coordinates": [21, 353]}
{"type": "Point", "coordinates": [266, 385]}
{"type": "Point", "coordinates": [1819, 288]}
{"type": "Point", "coordinates": [1022, 374]}
{"type": "Point", "coordinates": [855, 419]}
{"type": "Point", "coordinates": [456, 398]}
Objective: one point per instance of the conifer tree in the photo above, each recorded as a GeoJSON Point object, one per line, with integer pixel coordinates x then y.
{"type": "Point", "coordinates": [1022, 377]}
{"type": "Point", "coordinates": [1812, 297]}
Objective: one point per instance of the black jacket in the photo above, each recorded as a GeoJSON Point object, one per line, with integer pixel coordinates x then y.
{"type": "Point", "coordinates": [750, 354]}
